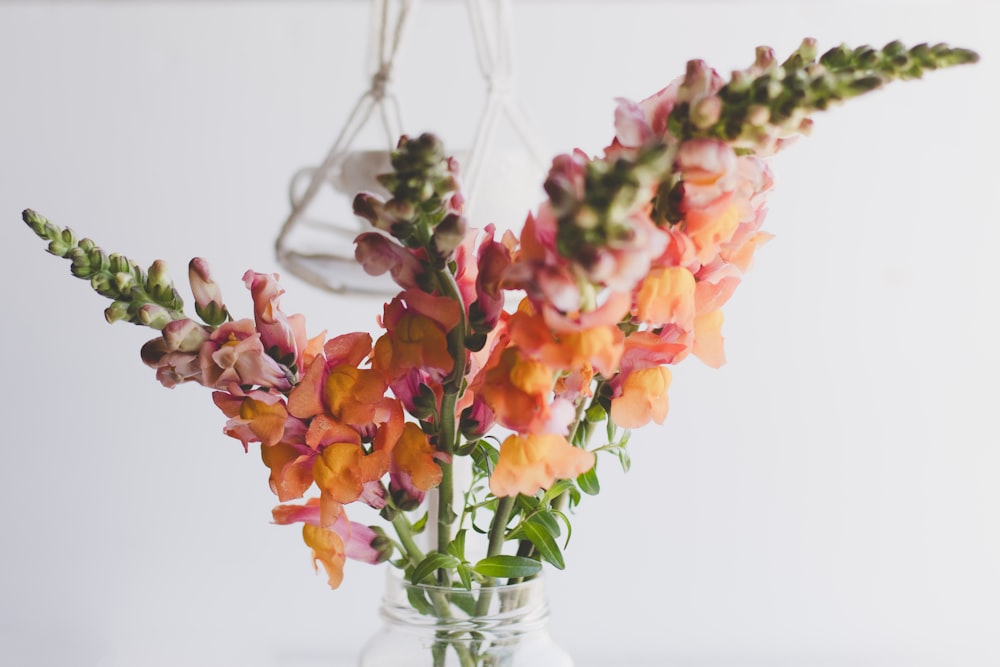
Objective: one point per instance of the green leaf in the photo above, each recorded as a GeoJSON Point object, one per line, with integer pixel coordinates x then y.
{"type": "Point", "coordinates": [508, 566]}
{"type": "Point", "coordinates": [419, 601]}
{"type": "Point", "coordinates": [588, 482]}
{"type": "Point", "coordinates": [465, 574]}
{"type": "Point", "coordinates": [433, 562]}
{"type": "Point", "coordinates": [457, 546]}
{"type": "Point", "coordinates": [538, 532]}
{"type": "Point", "coordinates": [557, 489]}
{"type": "Point", "coordinates": [484, 457]}
{"type": "Point", "coordinates": [547, 521]}
{"type": "Point", "coordinates": [569, 526]}
{"type": "Point", "coordinates": [420, 524]}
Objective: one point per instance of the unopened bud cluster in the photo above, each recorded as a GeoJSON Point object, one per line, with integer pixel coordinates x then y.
{"type": "Point", "coordinates": [141, 297]}
{"type": "Point", "coordinates": [769, 100]}
{"type": "Point", "coordinates": [424, 210]}
{"type": "Point", "coordinates": [594, 200]}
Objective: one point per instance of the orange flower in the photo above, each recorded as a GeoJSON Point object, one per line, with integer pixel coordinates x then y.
{"type": "Point", "coordinates": [328, 550]}
{"type": "Point", "coordinates": [415, 341]}
{"type": "Point", "coordinates": [517, 389]}
{"type": "Point", "coordinates": [354, 395]}
{"type": "Point", "coordinates": [532, 462]}
{"type": "Point", "coordinates": [666, 296]}
{"type": "Point", "coordinates": [414, 457]}
{"type": "Point", "coordinates": [291, 470]}
{"type": "Point", "coordinates": [643, 398]}
{"type": "Point", "coordinates": [343, 469]}
{"type": "Point", "coordinates": [257, 416]}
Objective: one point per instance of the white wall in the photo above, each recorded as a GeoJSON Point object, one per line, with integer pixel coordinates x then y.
{"type": "Point", "coordinates": [829, 495]}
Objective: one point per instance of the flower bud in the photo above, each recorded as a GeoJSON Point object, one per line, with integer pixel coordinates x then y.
{"type": "Point", "coordinates": [764, 58]}
{"type": "Point", "coordinates": [102, 284]}
{"type": "Point", "coordinates": [153, 316]}
{"type": "Point", "coordinates": [116, 312]}
{"type": "Point", "coordinates": [448, 235]}
{"type": "Point", "coordinates": [157, 277]}
{"type": "Point", "coordinates": [371, 208]}
{"type": "Point", "coordinates": [382, 544]}
{"type": "Point", "coordinates": [123, 282]}
{"type": "Point", "coordinates": [207, 295]}
{"type": "Point", "coordinates": [706, 112]}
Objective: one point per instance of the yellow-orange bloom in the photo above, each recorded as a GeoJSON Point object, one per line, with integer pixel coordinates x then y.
{"type": "Point", "coordinates": [517, 389]}
{"type": "Point", "coordinates": [291, 470]}
{"type": "Point", "coordinates": [414, 455]}
{"type": "Point", "coordinates": [353, 395]}
{"type": "Point", "coordinates": [328, 550]}
{"type": "Point", "coordinates": [265, 420]}
{"type": "Point", "coordinates": [666, 296]}
{"type": "Point", "coordinates": [643, 398]}
{"type": "Point", "coordinates": [531, 462]}
{"type": "Point", "coordinates": [415, 341]}
{"type": "Point", "coordinates": [342, 469]}
{"type": "Point", "coordinates": [599, 346]}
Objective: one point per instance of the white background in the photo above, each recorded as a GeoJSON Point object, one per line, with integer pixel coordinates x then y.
{"type": "Point", "coordinates": [829, 496]}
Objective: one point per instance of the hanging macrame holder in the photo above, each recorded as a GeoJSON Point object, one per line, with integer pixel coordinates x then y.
{"type": "Point", "coordinates": [318, 248]}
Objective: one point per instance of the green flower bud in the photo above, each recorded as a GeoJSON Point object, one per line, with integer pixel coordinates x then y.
{"type": "Point", "coordinates": [153, 316]}
{"type": "Point", "coordinates": [116, 312]}
{"type": "Point", "coordinates": [123, 282]}
{"type": "Point", "coordinates": [382, 544]}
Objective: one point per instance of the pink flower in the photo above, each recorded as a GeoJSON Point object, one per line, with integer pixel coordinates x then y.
{"type": "Point", "coordinates": [357, 537]}
{"type": "Point", "coordinates": [174, 354]}
{"type": "Point", "coordinates": [378, 253]}
{"type": "Point", "coordinates": [207, 295]}
{"type": "Point", "coordinates": [234, 354]}
{"type": "Point", "coordinates": [281, 335]}
{"type": "Point", "coordinates": [493, 260]}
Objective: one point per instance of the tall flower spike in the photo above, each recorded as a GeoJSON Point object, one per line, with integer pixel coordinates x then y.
{"type": "Point", "coordinates": [767, 102]}
{"type": "Point", "coordinates": [140, 298]}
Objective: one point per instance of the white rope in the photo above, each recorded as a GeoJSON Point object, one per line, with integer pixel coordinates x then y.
{"type": "Point", "coordinates": [493, 40]}
{"type": "Point", "coordinates": [377, 96]}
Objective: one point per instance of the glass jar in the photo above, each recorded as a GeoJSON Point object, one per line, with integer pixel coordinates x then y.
{"type": "Point", "coordinates": [435, 626]}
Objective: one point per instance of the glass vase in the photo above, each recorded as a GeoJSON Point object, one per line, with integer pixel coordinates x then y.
{"type": "Point", "coordinates": [435, 626]}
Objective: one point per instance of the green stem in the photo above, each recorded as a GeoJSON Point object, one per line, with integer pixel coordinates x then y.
{"type": "Point", "coordinates": [498, 531]}
{"type": "Point", "coordinates": [404, 529]}
{"type": "Point", "coordinates": [448, 426]}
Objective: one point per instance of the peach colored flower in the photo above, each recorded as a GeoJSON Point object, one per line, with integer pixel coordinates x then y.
{"type": "Point", "coordinates": [599, 347]}
{"type": "Point", "coordinates": [666, 296]}
{"type": "Point", "coordinates": [643, 398]}
{"type": "Point", "coordinates": [528, 463]}
{"type": "Point", "coordinates": [517, 389]}
{"type": "Point", "coordinates": [708, 339]}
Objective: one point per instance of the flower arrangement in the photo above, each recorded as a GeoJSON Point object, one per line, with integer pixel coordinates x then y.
{"type": "Point", "coordinates": [509, 362]}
